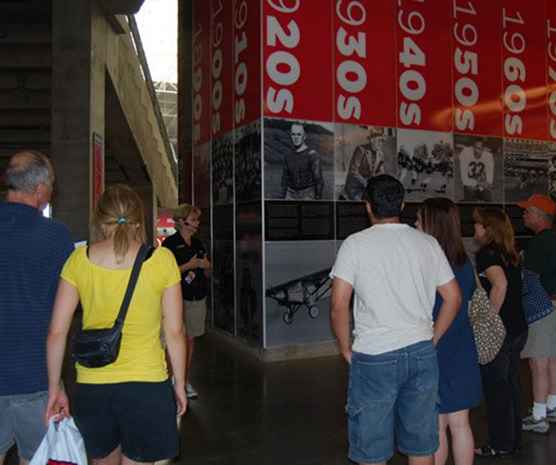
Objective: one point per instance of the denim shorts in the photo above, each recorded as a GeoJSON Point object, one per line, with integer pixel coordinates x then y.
{"type": "Point", "coordinates": [392, 400]}
{"type": "Point", "coordinates": [22, 422]}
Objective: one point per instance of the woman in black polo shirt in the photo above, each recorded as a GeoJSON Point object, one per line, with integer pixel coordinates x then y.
{"type": "Point", "coordinates": [191, 256]}
{"type": "Point", "coordinates": [499, 270]}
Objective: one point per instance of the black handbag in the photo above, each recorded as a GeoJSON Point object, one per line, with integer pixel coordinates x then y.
{"type": "Point", "coordinates": [95, 348]}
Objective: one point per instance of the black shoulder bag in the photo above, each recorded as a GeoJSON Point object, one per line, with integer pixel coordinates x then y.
{"type": "Point", "coordinates": [95, 348]}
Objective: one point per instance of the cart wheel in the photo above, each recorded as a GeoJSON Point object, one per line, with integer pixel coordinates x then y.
{"type": "Point", "coordinates": [314, 311]}
{"type": "Point", "coordinates": [287, 317]}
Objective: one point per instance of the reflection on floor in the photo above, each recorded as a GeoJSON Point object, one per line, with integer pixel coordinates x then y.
{"type": "Point", "coordinates": [290, 413]}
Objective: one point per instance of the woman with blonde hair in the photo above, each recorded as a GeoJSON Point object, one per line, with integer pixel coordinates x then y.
{"type": "Point", "coordinates": [194, 265]}
{"type": "Point", "coordinates": [498, 266]}
{"type": "Point", "coordinates": [126, 410]}
{"type": "Point", "coordinates": [460, 379]}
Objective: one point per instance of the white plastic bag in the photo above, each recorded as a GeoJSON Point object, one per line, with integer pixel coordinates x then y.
{"type": "Point", "coordinates": [62, 445]}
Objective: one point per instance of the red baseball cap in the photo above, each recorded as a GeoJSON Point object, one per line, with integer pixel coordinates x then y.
{"type": "Point", "coordinates": [542, 202]}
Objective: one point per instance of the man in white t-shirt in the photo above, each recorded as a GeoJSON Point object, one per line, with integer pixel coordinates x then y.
{"type": "Point", "coordinates": [394, 272]}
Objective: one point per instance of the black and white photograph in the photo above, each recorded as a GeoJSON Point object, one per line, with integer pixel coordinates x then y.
{"type": "Point", "coordinates": [298, 160]}
{"type": "Point", "coordinates": [223, 169]}
{"type": "Point", "coordinates": [361, 153]}
{"type": "Point", "coordinates": [201, 179]}
{"type": "Point", "coordinates": [425, 163]}
{"type": "Point", "coordinates": [551, 170]}
{"type": "Point", "coordinates": [479, 169]}
{"type": "Point", "coordinates": [526, 168]}
{"type": "Point", "coordinates": [249, 271]}
{"type": "Point", "coordinates": [249, 288]}
{"type": "Point", "coordinates": [223, 285]}
{"type": "Point", "coordinates": [298, 291]}
{"type": "Point", "coordinates": [247, 149]}
{"type": "Point", "coordinates": [223, 279]}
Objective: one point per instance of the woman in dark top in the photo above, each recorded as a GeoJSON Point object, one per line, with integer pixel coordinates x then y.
{"type": "Point", "coordinates": [500, 274]}
{"type": "Point", "coordinates": [460, 378]}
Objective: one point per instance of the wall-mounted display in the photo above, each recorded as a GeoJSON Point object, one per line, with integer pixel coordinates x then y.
{"type": "Point", "coordinates": [351, 217]}
{"type": "Point", "coordinates": [297, 59]}
{"type": "Point", "coordinates": [297, 221]}
{"type": "Point", "coordinates": [551, 171]}
{"type": "Point", "coordinates": [298, 291]}
{"type": "Point", "coordinates": [247, 163]}
{"type": "Point", "coordinates": [479, 169]}
{"type": "Point", "coordinates": [454, 98]}
{"type": "Point", "coordinates": [526, 165]}
{"type": "Point", "coordinates": [201, 179]}
{"type": "Point", "coordinates": [425, 163]}
{"type": "Point", "coordinates": [249, 272]}
{"type": "Point", "coordinates": [299, 160]}
{"type": "Point", "coordinates": [223, 268]}
{"type": "Point", "coordinates": [222, 168]}
{"type": "Point", "coordinates": [361, 153]}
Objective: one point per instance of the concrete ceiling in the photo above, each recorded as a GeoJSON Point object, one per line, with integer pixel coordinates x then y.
{"type": "Point", "coordinates": [121, 7]}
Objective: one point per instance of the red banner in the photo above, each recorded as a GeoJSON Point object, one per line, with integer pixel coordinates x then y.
{"type": "Point", "coordinates": [476, 35]}
{"type": "Point", "coordinates": [201, 57]}
{"type": "Point", "coordinates": [524, 69]}
{"type": "Point", "coordinates": [98, 167]}
{"type": "Point", "coordinates": [247, 61]}
{"type": "Point", "coordinates": [551, 60]}
{"type": "Point", "coordinates": [222, 67]}
{"type": "Point", "coordinates": [297, 59]}
{"type": "Point", "coordinates": [365, 62]}
{"type": "Point", "coordinates": [423, 74]}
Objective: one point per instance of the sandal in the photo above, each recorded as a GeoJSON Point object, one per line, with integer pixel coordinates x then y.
{"type": "Point", "coordinates": [488, 451]}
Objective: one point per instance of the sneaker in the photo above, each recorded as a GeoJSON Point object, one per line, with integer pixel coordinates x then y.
{"type": "Point", "coordinates": [535, 425]}
{"type": "Point", "coordinates": [551, 415]}
{"type": "Point", "coordinates": [488, 451]}
{"type": "Point", "coordinates": [191, 392]}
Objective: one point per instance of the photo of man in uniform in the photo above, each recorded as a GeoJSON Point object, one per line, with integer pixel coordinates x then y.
{"type": "Point", "coordinates": [302, 173]}
{"type": "Point", "coordinates": [477, 172]}
{"type": "Point", "coordinates": [367, 161]}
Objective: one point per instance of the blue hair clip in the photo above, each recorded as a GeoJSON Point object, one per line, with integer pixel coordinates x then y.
{"type": "Point", "coordinates": [121, 220]}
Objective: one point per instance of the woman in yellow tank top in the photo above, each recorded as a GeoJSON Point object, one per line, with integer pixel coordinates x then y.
{"type": "Point", "coordinates": [126, 411]}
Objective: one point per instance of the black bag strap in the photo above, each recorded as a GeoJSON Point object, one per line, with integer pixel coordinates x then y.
{"type": "Point", "coordinates": [142, 254]}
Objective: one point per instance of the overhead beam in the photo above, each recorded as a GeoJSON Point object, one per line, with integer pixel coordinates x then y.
{"type": "Point", "coordinates": [24, 33]}
{"type": "Point", "coordinates": [26, 56]}
{"type": "Point", "coordinates": [121, 7]}
{"type": "Point", "coordinates": [24, 79]}
{"type": "Point", "coordinates": [13, 100]}
{"type": "Point", "coordinates": [24, 136]}
{"type": "Point", "coordinates": [25, 119]}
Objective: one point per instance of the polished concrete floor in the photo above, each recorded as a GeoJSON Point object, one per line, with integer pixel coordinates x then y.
{"type": "Point", "coordinates": [291, 413]}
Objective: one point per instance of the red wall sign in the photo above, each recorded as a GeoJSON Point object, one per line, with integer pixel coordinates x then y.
{"type": "Point", "coordinates": [524, 69]}
{"type": "Point", "coordinates": [247, 61]}
{"type": "Point", "coordinates": [297, 59]}
{"type": "Point", "coordinates": [551, 61]}
{"type": "Point", "coordinates": [424, 77]}
{"type": "Point", "coordinates": [98, 167]}
{"type": "Point", "coordinates": [476, 35]}
{"type": "Point", "coordinates": [365, 62]}
{"type": "Point", "coordinates": [222, 66]}
{"type": "Point", "coordinates": [201, 58]}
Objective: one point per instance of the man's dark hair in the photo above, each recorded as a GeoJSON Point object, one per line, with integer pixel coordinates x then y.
{"type": "Point", "coordinates": [385, 194]}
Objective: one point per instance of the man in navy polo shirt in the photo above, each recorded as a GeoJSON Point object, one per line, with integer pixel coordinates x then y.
{"type": "Point", "coordinates": [33, 250]}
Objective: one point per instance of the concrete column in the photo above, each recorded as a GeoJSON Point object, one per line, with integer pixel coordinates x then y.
{"type": "Point", "coordinates": [71, 112]}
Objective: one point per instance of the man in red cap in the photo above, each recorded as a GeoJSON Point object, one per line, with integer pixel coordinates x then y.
{"type": "Point", "coordinates": [540, 257]}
